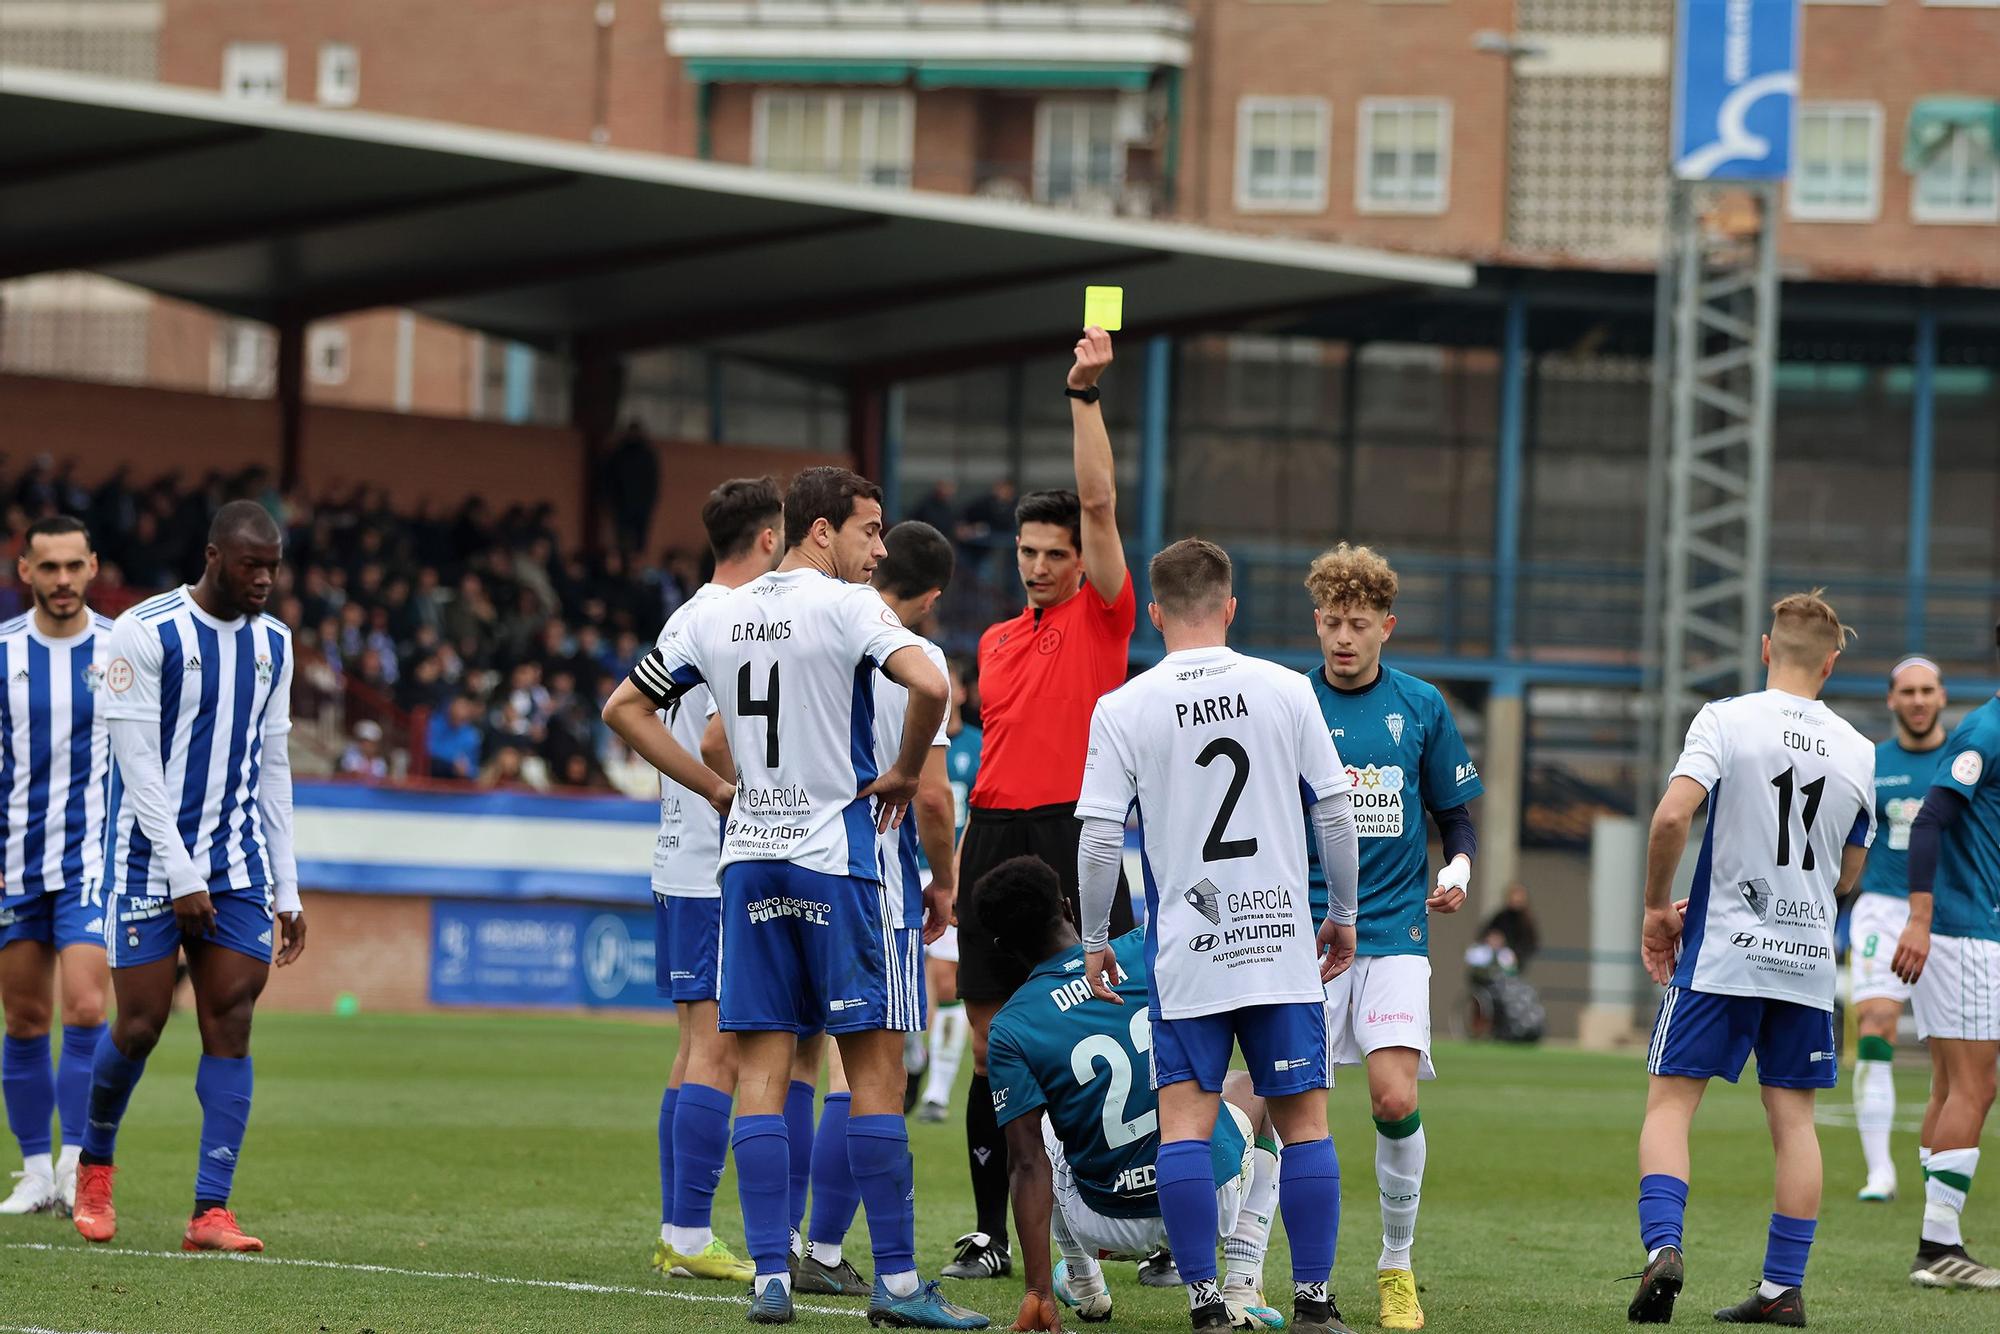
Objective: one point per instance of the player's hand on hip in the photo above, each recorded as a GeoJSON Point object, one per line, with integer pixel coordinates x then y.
{"type": "Point", "coordinates": [895, 791]}
{"type": "Point", "coordinates": [937, 910]}
{"type": "Point", "coordinates": [722, 796]}
{"type": "Point", "coordinates": [291, 937]}
{"type": "Point", "coordinates": [1038, 1312]}
{"type": "Point", "coordinates": [1913, 951]}
{"type": "Point", "coordinates": [1659, 941]}
{"type": "Point", "coordinates": [1448, 895]}
{"type": "Point", "coordinates": [1336, 949]}
{"type": "Point", "coordinates": [1100, 969]}
{"type": "Point", "coordinates": [195, 914]}
{"type": "Point", "coordinates": [1093, 355]}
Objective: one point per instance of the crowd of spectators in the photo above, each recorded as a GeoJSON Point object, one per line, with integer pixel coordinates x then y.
{"type": "Point", "coordinates": [467, 644]}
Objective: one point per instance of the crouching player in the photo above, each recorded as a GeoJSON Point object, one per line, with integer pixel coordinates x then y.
{"type": "Point", "coordinates": [1084, 1171]}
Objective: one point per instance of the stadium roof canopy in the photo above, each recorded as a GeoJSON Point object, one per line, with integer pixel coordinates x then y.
{"type": "Point", "coordinates": [285, 214]}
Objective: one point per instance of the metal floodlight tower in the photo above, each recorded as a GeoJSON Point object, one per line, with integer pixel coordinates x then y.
{"type": "Point", "coordinates": [1709, 532]}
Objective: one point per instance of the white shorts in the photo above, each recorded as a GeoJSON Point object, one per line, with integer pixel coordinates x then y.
{"type": "Point", "coordinates": [945, 949]}
{"type": "Point", "coordinates": [1872, 932]}
{"type": "Point", "coordinates": [1380, 1001]}
{"type": "Point", "coordinates": [1958, 995]}
{"type": "Point", "coordinates": [1136, 1238]}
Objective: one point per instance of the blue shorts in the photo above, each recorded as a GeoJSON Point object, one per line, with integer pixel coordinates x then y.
{"type": "Point", "coordinates": [1284, 1046]}
{"type": "Point", "coordinates": [64, 918]}
{"type": "Point", "coordinates": [1702, 1035]}
{"type": "Point", "coordinates": [687, 947]}
{"type": "Point", "coordinates": [145, 930]}
{"type": "Point", "coordinates": [803, 952]}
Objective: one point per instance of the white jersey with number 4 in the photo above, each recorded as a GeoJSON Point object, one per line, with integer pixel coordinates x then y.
{"type": "Point", "coordinates": [1790, 785]}
{"type": "Point", "coordinates": [688, 849]}
{"type": "Point", "coordinates": [1221, 753]}
{"type": "Point", "coordinates": [790, 659]}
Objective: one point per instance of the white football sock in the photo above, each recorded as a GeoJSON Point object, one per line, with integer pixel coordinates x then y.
{"type": "Point", "coordinates": [1399, 1175]}
{"type": "Point", "coordinates": [1086, 1276]}
{"type": "Point", "coordinates": [902, 1284]}
{"type": "Point", "coordinates": [762, 1279]}
{"type": "Point", "coordinates": [1770, 1291]}
{"type": "Point", "coordinates": [827, 1253]}
{"type": "Point", "coordinates": [67, 1160]}
{"type": "Point", "coordinates": [948, 1030]}
{"type": "Point", "coordinates": [1945, 1189]}
{"type": "Point", "coordinates": [692, 1240]}
{"type": "Point", "coordinates": [1875, 1113]}
{"type": "Point", "coordinates": [1244, 1248]}
{"type": "Point", "coordinates": [40, 1166]}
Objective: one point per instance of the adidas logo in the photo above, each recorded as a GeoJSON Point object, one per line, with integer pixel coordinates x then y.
{"type": "Point", "coordinates": [193, 663]}
{"type": "Point", "coordinates": [21, 676]}
{"type": "Point", "coordinates": [222, 1153]}
{"type": "Point", "coordinates": [94, 927]}
{"type": "Point", "coordinates": [265, 938]}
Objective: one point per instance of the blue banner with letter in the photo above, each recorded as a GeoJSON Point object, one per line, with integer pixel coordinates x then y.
{"type": "Point", "coordinates": [1736, 74]}
{"type": "Point", "coordinates": [541, 954]}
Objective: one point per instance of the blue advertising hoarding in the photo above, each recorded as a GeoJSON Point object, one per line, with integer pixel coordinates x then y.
{"type": "Point", "coordinates": [532, 955]}
{"type": "Point", "coordinates": [1736, 76]}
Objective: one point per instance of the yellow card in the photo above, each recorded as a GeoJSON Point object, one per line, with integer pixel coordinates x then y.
{"type": "Point", "coordinates": [1104, 308]}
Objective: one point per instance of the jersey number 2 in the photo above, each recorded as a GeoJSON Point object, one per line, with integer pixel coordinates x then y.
{"type": "Point", "coordinates": [1812, 792]}
{"type": "Point", "coordinates": [748, 705]}
{"type": "Point", "coordinates": [1083, 1059]}
{"type": "Point", "coordinates": [1216, 848]}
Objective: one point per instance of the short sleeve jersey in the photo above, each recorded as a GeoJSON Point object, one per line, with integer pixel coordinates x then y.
{"type": "Point", "coordinates": [1967, 888]}
{"type": "Point", "coordinates": [1221, 753]}
{"type": "Point", "coordinates": [1040, 674]}
{"type": "Point", "coordinates": [1404, 757]}
{"type": "Point", "coordinates": [688, 848]}
{"type": "Point", "coordinates": [220, 692]}
{"type": "Point", "coordinates": [55, 757]}
{"type": "Point", "coordinates": [1901, 779]}
{"type": "Point", "coordinates": [901, 848]}
{"type": "Point", "coordinates": [1790, 783]}
{"type": "Point", "coordinates": [1057, 1048]}
{"type": "Point", "coordinates": [791, 659]}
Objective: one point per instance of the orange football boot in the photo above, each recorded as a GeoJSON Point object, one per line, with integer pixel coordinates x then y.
{"type": "Point", "coordinates": [216, 1230]}
{"type": "Point", "coordinates": [93, 1215]}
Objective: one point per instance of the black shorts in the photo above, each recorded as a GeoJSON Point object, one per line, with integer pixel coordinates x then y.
{"type": "Point", "coordinates": [986, 972]}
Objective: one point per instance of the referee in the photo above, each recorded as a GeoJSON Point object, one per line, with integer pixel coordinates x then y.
{"type": "Point", "coordinates": [1040, 675]}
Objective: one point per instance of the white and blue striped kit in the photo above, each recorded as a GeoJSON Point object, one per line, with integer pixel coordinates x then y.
{"type": "Point", "coordinates": [55, 756]}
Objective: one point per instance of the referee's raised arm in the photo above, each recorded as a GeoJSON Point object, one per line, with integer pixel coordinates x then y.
{"type": "Point", "coordinates": [1096, 475]}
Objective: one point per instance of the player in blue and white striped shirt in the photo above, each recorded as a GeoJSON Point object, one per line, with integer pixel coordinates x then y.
{"type": "Point", "coordinates": [54, 757]}
{"type": "Point", "coordinates": [199, 852]}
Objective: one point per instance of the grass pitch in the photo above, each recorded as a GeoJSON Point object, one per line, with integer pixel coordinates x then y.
{"type": "Point", "coordinates": [489, 1173]}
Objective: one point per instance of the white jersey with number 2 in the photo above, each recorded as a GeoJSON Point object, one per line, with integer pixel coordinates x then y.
{"type": "Point", "coordinates": [1790, 785]}
{"type": "Point", "coordinates": [790, 658]}
{"type": "Point", "coordinates": [1222, 753]}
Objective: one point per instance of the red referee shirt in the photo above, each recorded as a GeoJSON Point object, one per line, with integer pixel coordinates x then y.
{"type": "Point", "coordinates": [1040, 676]}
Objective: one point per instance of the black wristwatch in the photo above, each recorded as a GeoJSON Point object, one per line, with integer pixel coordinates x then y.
{"type": "Point", "coordinates": [1090, 395]}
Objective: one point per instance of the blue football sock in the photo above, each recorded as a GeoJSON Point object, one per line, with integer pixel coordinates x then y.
{"type": "Point", "coordinates": [222, 1085]}
{"type": "Point", "coordinates": [799, 1126]}
{"type": "Point", "coordinates": [28, 1083]}
{"type": "Point", "coordinates": [113, 1076]}
{"type": "Point", "coordinates": [1309, 1202]}
{"type": "Point", "coordinates": [1187, 1206]}
{"type": "Point", "coordinates": [667, 1101]}
{"type": "Point", "coordinates": [1663, 1202]}
{"type": "Point", "coordinates": [878, 1149]}
{"type": "Point", "coordinates": [701, 1141]}
{"type": "Point", "coordinates": [762, 1158]}
{"type": "Point", "coordinates": [1785, 1252]}
{"type": "Point", "coordinates": [79, 1049]}
{"type": "Point", "coordinates": [835, 1196]}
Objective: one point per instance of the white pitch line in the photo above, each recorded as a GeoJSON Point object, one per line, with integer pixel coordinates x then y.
{"type": "Point", "coordinates": [42, 1329]}
{"type": "Point", "coordinates": [561, 1285]}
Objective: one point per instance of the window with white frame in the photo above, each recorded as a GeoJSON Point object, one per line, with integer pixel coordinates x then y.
{"type": "Point", "coordinates": [254, 71]}
{"type": "Point", "coordinates": [864, 138]}
{"type": "Point", "coordinates": [1960, 182]}
{"type": "Point", "coordinates": [1281, 152]}
{"type": "Point", "coordinates": [326, 354]}
{"type": "Point", "coordinates": [1837, 164]}
{"type": "Point", "coordinates": [339, 74]}
{"type": "Point", "coordinates": [1079, 158]}
{"type": "Point", "coordinates": [1405, 155]}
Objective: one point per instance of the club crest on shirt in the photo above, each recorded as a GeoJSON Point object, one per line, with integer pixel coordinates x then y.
{"type": "Point", "coordinates": [264, 669]}
{"type": "Point", "coordinates": [93, 677]}
{"type": "Point", "coordinates": [1394, 722]}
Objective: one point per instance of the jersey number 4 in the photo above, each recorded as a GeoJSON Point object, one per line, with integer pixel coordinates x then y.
{"type": "Point", "coordinates": [1216, 848]}
{"type": "Point", "coordinates": [1083, 1059]}
{"type": "Point", "coordinates": [1812, 792]}
{"type": "Point", "coordinates": [748, 706]}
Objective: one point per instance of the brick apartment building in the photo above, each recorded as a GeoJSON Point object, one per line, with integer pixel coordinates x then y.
{"type": "Point", "coordinates": [1515, 131]}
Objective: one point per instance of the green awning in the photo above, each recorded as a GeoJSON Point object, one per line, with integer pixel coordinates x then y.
{"type": "Point", "coordinates": [1934, 120]}
{"type": "Point", "coordinates": [994, 74]}
{"type": "Point", "coordinates": [799, 71]}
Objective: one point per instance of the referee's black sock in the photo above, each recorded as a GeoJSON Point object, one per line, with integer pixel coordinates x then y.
{"type": "Point", "coordinates": [986, 1153]}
